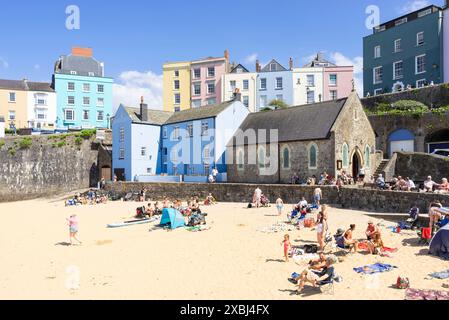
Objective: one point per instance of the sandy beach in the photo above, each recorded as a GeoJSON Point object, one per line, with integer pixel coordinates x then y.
{"type": "Point", "coordinates": [232, 260]}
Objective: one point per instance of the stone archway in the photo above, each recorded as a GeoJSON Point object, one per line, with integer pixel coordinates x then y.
{"type": "Point", "coordinates": [398, 87]}
{"type": "Point", "coordinates": [437, 140]}
{"type": "Point", "coordinates": [356, 163]}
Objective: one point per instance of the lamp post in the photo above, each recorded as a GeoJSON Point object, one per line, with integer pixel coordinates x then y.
{"type": "Point", "coordinates": [108, 117]}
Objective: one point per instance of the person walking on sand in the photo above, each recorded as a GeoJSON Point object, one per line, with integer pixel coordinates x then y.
{"type": "Point", "coordinates": [257, 197]}
{"type": "Point", "coordinates": [320, 229]}
{"type": "Point", "coordinates": [73, 228]}
{"type": "Point", "coordinates": [287, 246]}
{"type": "Point", "coordinates": [279, 206]}
{"type": "Point", "coordinates": [317, 196]}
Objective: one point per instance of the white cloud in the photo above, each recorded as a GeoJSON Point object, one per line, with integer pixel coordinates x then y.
{"type": "Point", "coordinates": [132, 85]}
{"type": "Point", "coordinates": [251, 59]}
{"type": "Point", "coordinates": [341, 60]}
{"type": "Point", "coordinates": [413, 5]}
{"type": "Point", "coordinates": [4, 63]}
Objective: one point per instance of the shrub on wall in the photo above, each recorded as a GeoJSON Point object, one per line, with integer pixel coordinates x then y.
{"type": "Point", "coordinates": [25, 143]}
{"type": "Point", "coordinates": [87, 133]}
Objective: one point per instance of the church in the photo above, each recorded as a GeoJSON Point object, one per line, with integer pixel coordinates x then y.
{"type": "Point", "coordinates": [271, 147]}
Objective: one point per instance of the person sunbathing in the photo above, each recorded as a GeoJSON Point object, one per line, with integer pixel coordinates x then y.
{"type": "Point", "coordinates": [376, 244]}
{"type": "Point", "coordinates": [348, 240]}
{"type": "Point", "coordinates": [317, 277]}
{"type": "Point", "coordinates": [371, 230]}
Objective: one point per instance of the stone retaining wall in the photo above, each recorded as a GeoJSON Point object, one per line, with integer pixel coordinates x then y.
{"type": "Point", "coordinates": [350, 198]}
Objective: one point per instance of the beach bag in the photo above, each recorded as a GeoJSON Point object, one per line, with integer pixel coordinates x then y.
{"type": "Point", "coordinates": [402, 283]}
{"type": "Point", "coordinates": [250, 205]}
{"type": "Point", "coordinates": [310, 248]}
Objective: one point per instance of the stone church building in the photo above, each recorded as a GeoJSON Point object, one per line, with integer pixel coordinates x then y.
{"type": "Point", "coordinates": [311, 139]}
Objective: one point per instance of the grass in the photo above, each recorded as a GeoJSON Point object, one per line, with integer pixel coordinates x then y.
{"type": "Point", "coordinates": [2, 143]}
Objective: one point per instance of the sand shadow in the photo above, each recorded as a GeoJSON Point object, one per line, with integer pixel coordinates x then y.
{"type": "Point", "coordinates": [272, 215]}
{"type": "Point", "coordinates": [414, 242]}
{"type": "Point", "coordinates": [63, 244]}
{"type": "Point", "coordinates": [290, 291]}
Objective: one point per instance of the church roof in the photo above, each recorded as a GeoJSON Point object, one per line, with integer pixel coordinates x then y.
{"type": "Point", "coordinates": [301, 123]}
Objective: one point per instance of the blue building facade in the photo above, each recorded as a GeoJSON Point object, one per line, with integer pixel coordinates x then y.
{"type": "Point", "coordinates": [404, 53]}
{"type": "Point", "coordinates": [274, 82]}
{"type": "Point", "coordinates": [186, 143]}
{"type": "Point", "coordinates": [84, 94]}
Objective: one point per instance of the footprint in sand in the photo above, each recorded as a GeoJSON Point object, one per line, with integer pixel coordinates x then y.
{"type": "Point", "coordinates": [103, 242]}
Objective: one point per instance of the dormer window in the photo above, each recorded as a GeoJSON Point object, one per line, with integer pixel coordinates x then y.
{"type": "Point", "coordinates": [91, 74]}
{"type": "Point", "coordinates": [273, 67]}
{"type": "Point", "coordinates": [73, 72]}
{"type": "Point", "coordinates": [400, 21]}
{"type": "Point", "coordinates": [424, 13]}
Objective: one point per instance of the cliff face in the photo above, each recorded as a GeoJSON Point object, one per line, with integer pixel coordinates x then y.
{"type": "Point", "coordinates": [43, 166]}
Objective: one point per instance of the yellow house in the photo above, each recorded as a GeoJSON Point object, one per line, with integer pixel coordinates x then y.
{"type": "Point", "coordinates": [177, 91]}
{"type": "Point", "coordinates": [13, 103]}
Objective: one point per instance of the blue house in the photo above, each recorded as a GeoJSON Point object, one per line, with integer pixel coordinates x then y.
{"type": "Point", "coordinates": [189, 143]}
{"type": "Point", "coordinates": [84, 94]}
{"type": "Point", "coordinates": [406, 52]}
{"type": "Point", "coordinates": [136, 141]}
{"type": "Point", "coordinates": [274, 83]}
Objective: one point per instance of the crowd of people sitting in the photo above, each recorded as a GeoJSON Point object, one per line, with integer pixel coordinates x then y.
{"type": "Point", "coordinates": [91, 197]}
{"type": "Point", "coordinates": [408, 185]}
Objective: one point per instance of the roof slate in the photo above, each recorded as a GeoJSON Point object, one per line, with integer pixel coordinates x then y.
{"type": "Point", "coordinates": [301, 123]}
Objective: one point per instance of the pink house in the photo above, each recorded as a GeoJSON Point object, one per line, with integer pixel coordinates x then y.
{"type": "Point", "coordinates": [338, 82]}
{"type": "Point", "coordinates": [206, 80]}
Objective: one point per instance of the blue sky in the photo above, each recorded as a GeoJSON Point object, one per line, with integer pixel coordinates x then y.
{"type": "Point", "coordinates": [135, 37]}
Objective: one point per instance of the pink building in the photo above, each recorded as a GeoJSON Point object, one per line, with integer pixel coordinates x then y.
{"type": "Point", "coordinates": [206, 80]}
{"type": "Point", "coordinates": [337, 82]}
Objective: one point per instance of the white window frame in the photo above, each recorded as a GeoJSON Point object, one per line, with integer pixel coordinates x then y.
{"type": "Point", "coordinates": [12, 112]}
{"type": "Point", "coordinates": [279, 80]}
{"type": "Point", "coordinates": [72, 112]}
{"type": "Point", "coordinates": [332, 96]}
{"type": "Point", "coordinates": [396, 49]}
{"type": "Point", "coordinates": [73, 73]}
{"type": "Point", "coordinates": [176, 96]}
{"type": "Point", "coordinates": [417, 39]}
{"type": "Point", "coordinates": [68, 86]}
{"type": "Point", "coordinates": [68, 100]}
{"type": "Point", "coordinates": [84, 87]}
{"type": "Point", "coordinates": [423, 82]}
{"type": "Point", "coordinates": [263, 81]}
{"type": "Point", "coordinates": [263, 98]}
{"type": "Point", "coordinates": [374, 75]}
{"type": "Point", "coordinates": [209, 74]}
{"type": "Point", "coordinates": [178, 83]}
{"type": "Point", "coordinates": [100, 104]}
{"type": "Point", "coordinates": [331, 83]}
{"type": "Point", "coordinates": [100, 86]}
{"type": "Point", "coordinates": [394, 70]}
{"type": "Point", "coordinates": [245, 101]}
{"type": "Point", "coordinates": [98, 116]}
{"type": "Point", "coordinates": [424, 13]}
{"type": "Point", "coordinates": [84, 101]}
{"type": "Point", "coordinates": [233, 85]}
{"type": "Point", "coordinates": [245, 84]}
{"type": "Point", "coordinates": [310, 77]}
{"type": "Point", "coordinates": [88, 115]}
{"type": "Point", "coordinates": [195, 85]}
{"type": "Point", "coordinates": [204, 128]}
{"type": "Point", "coordinates": [377, 53]}
{"type": "Point", "coordinates": [209, 84]}
{"type": "Point", "coordinates": [122, 134]}
{"type": "Point", "coordinates": [143, 151]}
{"type": "Point", "coordinates": [376, 91]}
{"type": "Point", "coordinates": [416, 64]}
{"type": "Point", "coordinates": [401, 21]}
{"type": "Point", "coordinates": [176, 73]}
{"type": "Point", "coordinates": [121, 154]}
{"type": "Point", "coordinates": [194, 73]}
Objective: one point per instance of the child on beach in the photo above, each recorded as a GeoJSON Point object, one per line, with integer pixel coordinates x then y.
{"type": "Point", "coordinates": [73, 228]}
{"type": "Point", "coordinates": [287, 246]}
{"type": "Point", "coordinates": [279, 205]}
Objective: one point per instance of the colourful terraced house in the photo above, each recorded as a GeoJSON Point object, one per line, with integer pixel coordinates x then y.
{"type": "Point", "coordinates": [84, 94]}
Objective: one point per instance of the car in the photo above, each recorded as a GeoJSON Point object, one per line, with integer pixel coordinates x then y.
{"type": "Point", "coordinates": [441, 152]}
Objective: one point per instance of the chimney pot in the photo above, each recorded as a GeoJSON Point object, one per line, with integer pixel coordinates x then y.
{"type": "Point", "coordinates": [258, 68]}
{"type": "Point", "coordinates": [291, 63]}
{"type": "Point", "coordinates": [143, 110]}
{"type": "Point", "coordinates": [82, 52]}
{"type": "Point", "coordinates": [237, 95]}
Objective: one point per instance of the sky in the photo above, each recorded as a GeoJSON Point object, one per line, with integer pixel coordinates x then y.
{"type": "Point", "coordinates": [135, 37]}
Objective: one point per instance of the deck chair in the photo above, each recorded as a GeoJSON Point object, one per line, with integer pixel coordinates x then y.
{"type": "Point", "coordinates": [327, 287]}
{"type": "Point", "coordinates": [340, 244]}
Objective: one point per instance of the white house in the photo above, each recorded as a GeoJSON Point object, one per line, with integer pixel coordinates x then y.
{"type": "Point", "coordinates": [240, 78]}
{"type": "Point", "coordinates": [307, 85]}
{"type": "Point", "coordinates": [2, 127]}
{"type": "Point", "coordinates": [41, 105]}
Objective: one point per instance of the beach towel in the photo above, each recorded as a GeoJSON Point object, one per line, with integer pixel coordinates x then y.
{"type": "Point", "coordinates": [392, 250]}
{"type": "Point", "coordinates": [375, 268]}
{"type": "Point", "coordinates": [440, 275]}
{"type": "Point", "coordinates": [417, 294]}
{"type": "Point", "coordinates": [363, 246]}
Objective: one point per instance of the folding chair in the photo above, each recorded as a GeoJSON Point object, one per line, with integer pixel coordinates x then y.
{"type": "Point", "coordinates": [327, 287]}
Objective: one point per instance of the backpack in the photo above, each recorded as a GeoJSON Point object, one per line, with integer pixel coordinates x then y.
{"type": "Point", "coordinates": [310, 248]}
{"type": "Point", "coordinates": [402, 283]}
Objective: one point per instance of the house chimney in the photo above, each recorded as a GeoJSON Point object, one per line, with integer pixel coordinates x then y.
{"type": "Point", "coordinates": [447, 4]}
{"type": "Point", "coordinates": [258, 68]}
{"type": "Point", "coordinates": [237, 95]}
{"type": "Point", "coordinates": [143, 110]}
{"type": "Point", "coordinates": [291, 63]}
{"type": "Point", "coordinates": [82, 52]}
{"type": "Point", "coordinates": [226, 55]}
